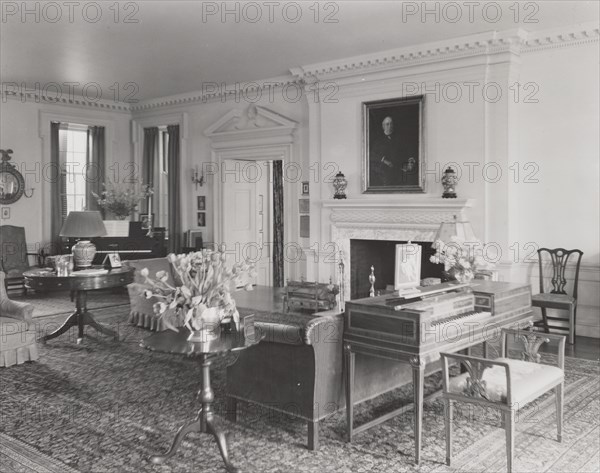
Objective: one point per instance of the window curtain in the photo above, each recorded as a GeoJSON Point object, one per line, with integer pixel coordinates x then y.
{"type": "Point", "coordinates": [174, 186]}
{"type": "Point", "coordinates": [278, 276]}
{"type": "Point", "coordinates": [96, 166]}
{"type": "Point", "coordinates": [150, 152]}
{"type": "Point", "coordinates": [55, 189]}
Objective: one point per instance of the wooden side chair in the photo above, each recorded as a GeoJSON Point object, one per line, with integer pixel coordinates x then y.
{"type": "Point", "coordinates": [15, 257]}
{"type": "Point", "coordinates": [504, 384]}
{"type": "Point", "coordinates": [558, 298]}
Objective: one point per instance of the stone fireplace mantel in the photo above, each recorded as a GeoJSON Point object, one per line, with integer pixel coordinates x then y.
{"type": "Point", "coordinates": [415, 218]}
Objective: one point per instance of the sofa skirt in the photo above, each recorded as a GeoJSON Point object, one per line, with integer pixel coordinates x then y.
{"type": "Point", "coordinates": [18, 355]}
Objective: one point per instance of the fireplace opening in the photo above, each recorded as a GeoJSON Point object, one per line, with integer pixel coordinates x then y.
{"type": "Point", "coordinates": [381, 254]}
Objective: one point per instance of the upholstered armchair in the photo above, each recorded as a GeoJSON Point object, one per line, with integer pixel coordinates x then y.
{"type": "Point", "coordinates": [17, 333]}
{"type": "Point", "coordinates": [505, 384]}
{"type": "Point", "coordinates": [142, 309]}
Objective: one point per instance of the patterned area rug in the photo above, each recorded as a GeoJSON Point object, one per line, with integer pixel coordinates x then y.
{"type": "Point", "coordinates": [104, 406]}
{"type": "Point", "coordinates": [17, 456]}
{"type": "Point", "coordinates": [53, 303]}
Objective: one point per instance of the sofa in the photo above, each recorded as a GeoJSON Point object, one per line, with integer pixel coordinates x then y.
{"type": "Point", "coordinates": [297, 369]}
{"type": "Point", "coordinates": [17, 332]}
{"type": "Point", "coordinates": [142, 311]}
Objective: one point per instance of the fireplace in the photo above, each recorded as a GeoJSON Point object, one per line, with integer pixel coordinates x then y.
{"type": "Point", "coordinates": [381, 254]}
{"type": "Point", "coordinates": [387, 222]}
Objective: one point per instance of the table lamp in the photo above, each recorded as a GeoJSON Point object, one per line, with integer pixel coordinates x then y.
{"type": "Point", "coordinates": [85, 225]}
{"type": "Point", "coordinates": [461, 230]}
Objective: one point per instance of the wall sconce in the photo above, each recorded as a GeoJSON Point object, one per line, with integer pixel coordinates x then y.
{"type": "Point", "coordinates": [197, 179]}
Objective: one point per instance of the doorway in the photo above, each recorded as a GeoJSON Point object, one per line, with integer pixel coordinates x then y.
{"type": "Point", "coordinates": [248, 215]}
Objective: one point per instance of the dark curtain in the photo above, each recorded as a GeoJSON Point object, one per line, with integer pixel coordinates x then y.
{"type": "Point", "coordinates": [96, 166]}
{"type": "Point", "coordinates": [149, 159]}
{"type": "Point", "coordinates": [174, 189]}
{"type": "Point", "coordinates": [56, 192]}
{"type": "Point", "coordinates": [278, 276]}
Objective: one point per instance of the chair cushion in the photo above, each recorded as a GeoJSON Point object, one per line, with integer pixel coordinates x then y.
{"type": "Point", "coordinates": [556, 298]}
{"type": "Point", "coordinates": [526, 379]}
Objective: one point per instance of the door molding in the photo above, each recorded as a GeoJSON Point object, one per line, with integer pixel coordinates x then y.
{"type": "Point", "coordinates": [258, 134]}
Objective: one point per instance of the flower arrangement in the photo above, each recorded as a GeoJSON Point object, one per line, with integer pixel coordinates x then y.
{"type": "Point", "coordinates": [202, 295]}
{"type": "Point", "coordinates": [120, 201]}
{"type": "Point", "coordinates": [461, 259]}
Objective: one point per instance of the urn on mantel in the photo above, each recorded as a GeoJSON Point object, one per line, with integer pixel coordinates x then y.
{"type": "Point", "coordinates": [449, 181]}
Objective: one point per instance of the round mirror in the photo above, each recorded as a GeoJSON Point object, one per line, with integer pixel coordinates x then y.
{"type": "Point", "coordinates": [12, 184]}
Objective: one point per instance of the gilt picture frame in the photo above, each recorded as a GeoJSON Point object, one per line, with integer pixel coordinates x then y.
{"type": "Point", "coordinates": [393, 146]}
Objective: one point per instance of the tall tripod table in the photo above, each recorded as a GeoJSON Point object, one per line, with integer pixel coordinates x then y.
{"type": "Point", "coordinates": [177, 343]}
{"type": "Point", "coordinates": [79, 283]}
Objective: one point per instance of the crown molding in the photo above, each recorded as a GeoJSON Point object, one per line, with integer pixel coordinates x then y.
{"type": "Point", "coordinates": [579, 35]}
{"type": "Point", "coordinates": [246, 92]}
{"type": "Point", "coordinates": [491, 43]}
{"type": "Point", "coordinates": [71, 100]}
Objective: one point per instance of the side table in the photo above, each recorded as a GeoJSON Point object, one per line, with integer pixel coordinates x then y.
{"type": "Point", "coordinates": [177, 343]}
{"type": "Point", "coordinates": [79, 284]}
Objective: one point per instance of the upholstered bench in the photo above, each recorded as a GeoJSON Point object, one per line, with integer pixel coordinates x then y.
{"type": "Point", "coordinates": [298, 369]}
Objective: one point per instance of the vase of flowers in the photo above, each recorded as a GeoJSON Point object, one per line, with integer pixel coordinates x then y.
{"type": "Point", "coordinates": [461, 259]}
{"type": "Point", "coordinates": [201, 300]}
{"type": "Point", "coordinates": [120, 202]}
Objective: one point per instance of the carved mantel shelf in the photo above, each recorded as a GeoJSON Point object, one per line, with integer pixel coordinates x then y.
{"type": "Point", "coordinates": [417, 211]}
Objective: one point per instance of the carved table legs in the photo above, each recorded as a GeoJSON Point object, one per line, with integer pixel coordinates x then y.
{"type": "Point", "coordinates": [204, 423]}
{"type": "Point", "coordinates": [79, 318]}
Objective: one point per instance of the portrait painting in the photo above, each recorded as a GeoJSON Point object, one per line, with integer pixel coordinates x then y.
{"type": "Point", "coordinates": [201, 219]}
{"type": "Point", "coordinates": [201, 202]}
{"type": "Point", "coordinates": [393, 146]}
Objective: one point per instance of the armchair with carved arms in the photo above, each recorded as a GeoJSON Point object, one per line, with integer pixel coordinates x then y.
{"type": "Point", "coordinates": [17, 333]}
{"type": "Point", "coordinates": [505, 384]}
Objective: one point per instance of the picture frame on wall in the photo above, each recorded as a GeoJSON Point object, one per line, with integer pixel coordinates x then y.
{"type": "Point", "coordinates": [305, 188]}
{"type": "Point", "coordinates": [201, 202]}
{"type": "Point", "coordinates": [201, 219]}
{"type": "Point", "coordinates": [304, 206]}
{"type": "Point", "coordinates": [194, 239]}
{"type": "Point", "coordinates": [147, 221]}
{"type": "Point", "coordinates": [393, 146]}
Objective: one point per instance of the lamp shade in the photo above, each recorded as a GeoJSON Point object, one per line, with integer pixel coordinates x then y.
{"type": "Point", "coordinates": [84, 224]}
{"type": "Point", "coordinates": [461, 230]}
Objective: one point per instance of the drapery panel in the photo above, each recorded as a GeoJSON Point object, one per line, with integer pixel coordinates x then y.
{"type": "Point", "coordinates": [96, 166]}
{"type": "Point", "coordinates": [174, 168]}
{"type": "Point", "coordinates": [278, 276]}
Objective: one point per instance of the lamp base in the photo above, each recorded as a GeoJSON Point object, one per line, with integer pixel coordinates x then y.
{"type": "Point", "coordinates": [83, 253]}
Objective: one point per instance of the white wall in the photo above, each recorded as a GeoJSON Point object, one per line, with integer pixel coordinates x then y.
{"type": "Point", "coordinates": [20, 131]}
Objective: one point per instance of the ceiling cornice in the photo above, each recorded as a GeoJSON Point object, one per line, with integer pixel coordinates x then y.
{"type": "Point", "coordinates": [246, 92]}
{"type": "Point", "coordinates": [483, 44]}
{"type": "Point", "coordinates": [71, 100]}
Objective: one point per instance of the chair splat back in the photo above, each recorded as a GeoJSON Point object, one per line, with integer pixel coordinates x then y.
{"type": "Point", "coordinates": [560, 259]}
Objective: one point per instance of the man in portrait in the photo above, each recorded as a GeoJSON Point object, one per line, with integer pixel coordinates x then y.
{"type": "Point", "coordinates": [393, 160]}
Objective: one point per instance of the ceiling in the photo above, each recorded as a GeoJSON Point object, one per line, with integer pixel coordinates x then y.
{"type": "Point", "coordinates": [172, 49]}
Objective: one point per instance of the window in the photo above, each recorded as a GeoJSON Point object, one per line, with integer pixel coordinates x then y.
{"type": "Point", "coordinates": [73, 149]}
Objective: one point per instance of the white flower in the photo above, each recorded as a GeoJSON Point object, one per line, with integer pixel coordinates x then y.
{"type": "Point", "coordinates": [148, 294]}
{"type": "Point", "coordinates": [144, 272]}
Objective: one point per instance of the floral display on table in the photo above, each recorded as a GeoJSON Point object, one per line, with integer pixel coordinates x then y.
{"type": "Point", "coordinates": [461, 259]}
{"type": "Point", "coordinates": [201, 299]}
{"type": "Point", "coordinates": [121, 201]}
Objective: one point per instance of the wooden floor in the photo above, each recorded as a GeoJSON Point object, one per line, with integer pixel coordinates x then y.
{"type": "Point", "coordinates": [586, 348]}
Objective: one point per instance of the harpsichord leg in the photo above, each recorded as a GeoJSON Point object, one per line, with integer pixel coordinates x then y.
{"type": "Point", "coordinates": [418, 367]}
